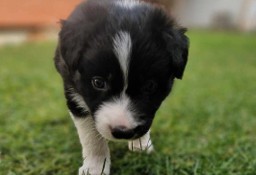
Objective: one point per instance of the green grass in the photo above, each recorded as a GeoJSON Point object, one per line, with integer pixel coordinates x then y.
{"type": "Point", "coordinates": [206, 127]}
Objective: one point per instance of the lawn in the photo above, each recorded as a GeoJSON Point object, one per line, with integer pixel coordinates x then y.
{"type": "Point", "coordinates": [206, 127]}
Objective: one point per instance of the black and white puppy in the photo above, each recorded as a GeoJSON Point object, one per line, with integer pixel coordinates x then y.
{"type": "Point", "coordinates": [118, 60]}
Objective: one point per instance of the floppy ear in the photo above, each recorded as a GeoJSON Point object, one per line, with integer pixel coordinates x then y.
{"type": "Point", "coordinates": [70, 44]}
{"type": "Point", "coordinates": [83, 22]}
{"type": "Point", "coordinates": [68, 51]}
{"type": "Point", "coordinates": [177, 45]}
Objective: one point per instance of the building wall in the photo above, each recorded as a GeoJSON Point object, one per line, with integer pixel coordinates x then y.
{"type": "Point", "coordinates": [202, 13]}
{"type": "Point", "coordinates": [34, 13]}
{"type": "Point", "coordinates": [32, 19]}
{"type": "Point", "coordinates": [248, 17]}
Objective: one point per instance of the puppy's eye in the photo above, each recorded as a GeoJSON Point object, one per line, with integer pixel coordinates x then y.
{"type": "Point", "coordinates": [99, 83]}
{"type": "Point", "coordinates": [150, 87]}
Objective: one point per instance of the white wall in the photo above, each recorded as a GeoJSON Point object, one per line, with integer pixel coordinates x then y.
{"type": "Point", "coordinates": [12, 37]}
{"type": "Point", "coordinates": [249, 17]}
{"type": "Point", "coordinates": [200, 13]}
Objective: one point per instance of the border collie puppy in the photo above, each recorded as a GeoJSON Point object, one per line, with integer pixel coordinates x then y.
{"type": "Point", "coordinates": [118, 60]}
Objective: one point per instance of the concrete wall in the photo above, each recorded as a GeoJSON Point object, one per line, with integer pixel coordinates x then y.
{"type": "Point", "coordinates": [203, 13]}
{"type": "Point", "coordinates": [240, 14]}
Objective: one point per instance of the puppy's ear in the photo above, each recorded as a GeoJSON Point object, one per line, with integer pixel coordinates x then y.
{"type": "Point", "coordinates": [177, 45]}
{"type": "Point", "coordinates": [83, 23]}
{"type": "Point", "coordinates": [70, 44]}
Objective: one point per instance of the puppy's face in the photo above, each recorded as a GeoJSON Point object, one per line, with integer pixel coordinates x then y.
{"type": "Point", "coordinates": [123, 71]}
{"type": "Point", "coordinates": [124, 85]}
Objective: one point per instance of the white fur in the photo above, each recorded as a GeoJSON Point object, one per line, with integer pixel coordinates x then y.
{"type": "Point", "coordinates": [95, 147]}
{"type": "Point", "coordinates": [123, 49]}
{"type": "Point", "coordinates": [79, 100]}
{"type": "Point", "coordinates": [128, 4]}
{"type": "Point", "coordinates": [115, 113]}
{"type": "Point", "coordinates": [141, 144]}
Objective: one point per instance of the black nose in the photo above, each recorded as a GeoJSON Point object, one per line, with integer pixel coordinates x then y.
{"type": "Point", "coordinates": [122, 132]}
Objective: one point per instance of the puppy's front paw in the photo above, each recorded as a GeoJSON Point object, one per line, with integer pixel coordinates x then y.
{"type": "Point", "coordinates": [143, 143]}
{"type": "Point", "coordinates": [140, 145]}
{"type": "Point", "coordinates": [95, 166]}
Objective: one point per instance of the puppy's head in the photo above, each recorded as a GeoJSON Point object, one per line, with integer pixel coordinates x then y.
{"type": "Point", "coordinates": [121, 59]}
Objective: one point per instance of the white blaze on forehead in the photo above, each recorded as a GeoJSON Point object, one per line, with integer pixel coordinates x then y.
{"type": "Point", "coordinates": [122, 50]}
{"type": "Point", "coordinates": [129, 4]}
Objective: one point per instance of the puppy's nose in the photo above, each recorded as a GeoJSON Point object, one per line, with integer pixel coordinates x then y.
{"type": "Point", "coordinates": [122, 132]}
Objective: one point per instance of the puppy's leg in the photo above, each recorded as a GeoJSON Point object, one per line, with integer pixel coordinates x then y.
{"type": "Point", "coordinates": [96, 153]}
{"type": "Point", "coordinates": [143, 143]}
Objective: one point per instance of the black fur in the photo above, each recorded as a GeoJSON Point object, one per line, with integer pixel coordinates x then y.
{"type": "Point", "coordinates": [159, 55]}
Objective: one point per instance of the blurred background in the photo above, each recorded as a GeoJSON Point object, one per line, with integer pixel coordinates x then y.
{"type": "Point", "coordinates": [32, 19]}
{"type": "Point", "coordinates": [38, 19]}
{"type": "Point", "coordinates": [206, 126]}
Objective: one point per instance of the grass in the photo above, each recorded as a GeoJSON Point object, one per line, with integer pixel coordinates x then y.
{"type": "Point", "coordinates": [206, 127]}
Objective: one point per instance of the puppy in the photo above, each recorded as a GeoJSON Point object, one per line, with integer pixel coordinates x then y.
{"type": "Point", "coordinates": [118, 60]}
